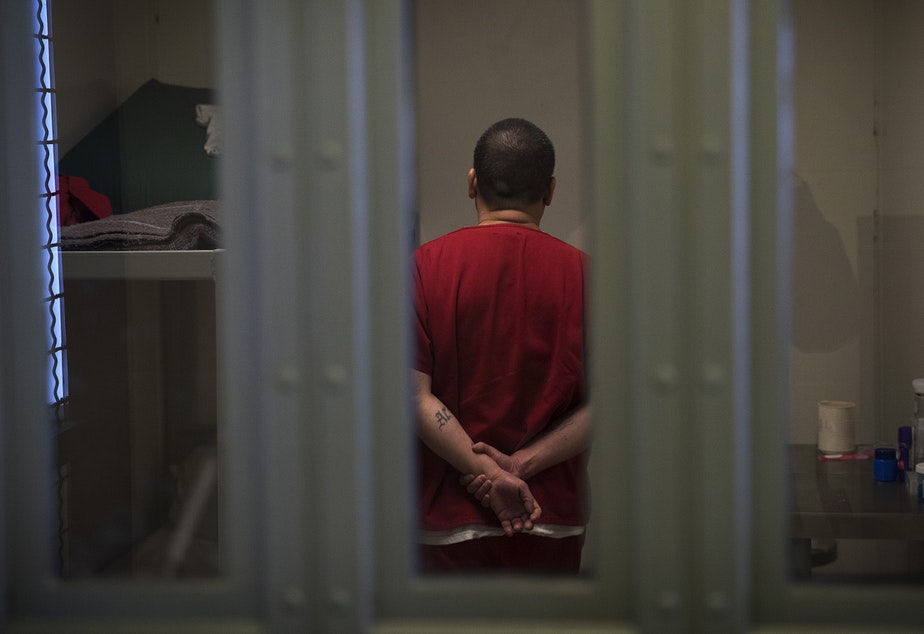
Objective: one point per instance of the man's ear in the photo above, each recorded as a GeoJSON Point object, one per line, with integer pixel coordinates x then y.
{"type": "Point", "coordinates": [472, 184]}
{"type": "Point", "coordinates": [547, 199]}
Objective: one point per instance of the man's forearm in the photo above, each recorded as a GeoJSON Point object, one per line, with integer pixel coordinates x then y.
{"type": "Point", "coordinates": [439, 430]}
{"type": "Point", "coordinates": [510, 499]}
{"type": "Point", "coordinates": [565, 439]}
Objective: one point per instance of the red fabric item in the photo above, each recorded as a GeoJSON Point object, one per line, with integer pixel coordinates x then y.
{"type": "Point", "coordinates": [521, 552]}
{"type": "Point", "coordinates": [500, 329]}
{"type": "Point", "coordinates": [78, 202]}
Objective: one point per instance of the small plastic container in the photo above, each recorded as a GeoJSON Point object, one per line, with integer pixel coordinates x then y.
{"type": "Point", "coordinates": [905, 444]}
{"type": "Point", "coordinates": [917, 422]}
{"type": "Point", "coordinates": [885, 464]}
{"type": "Point", "coordinates": [919, 481]}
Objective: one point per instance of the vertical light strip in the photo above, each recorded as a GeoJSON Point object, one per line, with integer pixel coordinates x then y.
{"type": "Point", "coordinates": [49, 200]}
{"type": "Point", "coordinates": [741, 276]}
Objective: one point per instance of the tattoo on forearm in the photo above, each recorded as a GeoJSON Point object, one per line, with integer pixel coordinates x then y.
{"type": "Point", "coordinates": [442, 417]}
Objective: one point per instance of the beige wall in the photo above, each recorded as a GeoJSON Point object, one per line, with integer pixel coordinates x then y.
{"type": "Point", "coordinates": [859, 213]}
{"type": "Point", "coordinates": [476, 63]}
{"type": "Point", "coordinates": [106, 49]}
{"type": "Point", "coordinates": [902, 203]}
{"type": "Point", "coordinates": [836, 184]}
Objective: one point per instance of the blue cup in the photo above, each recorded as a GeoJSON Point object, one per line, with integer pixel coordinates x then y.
{"type": "Point", "coordinates": [885, 464]}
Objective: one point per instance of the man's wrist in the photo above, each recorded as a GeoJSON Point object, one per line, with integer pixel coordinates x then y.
{"type": "Point", "coordinates": [485, 465]}
{"type": "Point", "coordinates": [522, 462]}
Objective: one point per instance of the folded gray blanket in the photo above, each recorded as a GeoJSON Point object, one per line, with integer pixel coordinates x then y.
{"type": "Point", "coordinates": [179, 226]}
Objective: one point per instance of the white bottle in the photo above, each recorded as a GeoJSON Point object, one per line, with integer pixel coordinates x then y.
{"type": "Point", "coordinates": [917, 422]}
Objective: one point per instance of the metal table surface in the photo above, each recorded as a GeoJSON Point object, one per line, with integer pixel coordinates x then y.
{"type": "Point", "coordinates": [842, 499]}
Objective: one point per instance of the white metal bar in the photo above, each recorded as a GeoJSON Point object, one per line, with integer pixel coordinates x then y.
{"type": "Point", "coordinates": [718, 313]}
{"type": "Point", "coordinates": [23, 418]}
{"type": "Point", "coordinates": [771, 168]}
{"type": "Point", "coordinates": [333, 301]}
{"type": "Point", "coordinates": [261, 372]}
{"type": "Point", "coordinates": [605, 165]}
{"type": "Point", "coordinates": [659, 381]}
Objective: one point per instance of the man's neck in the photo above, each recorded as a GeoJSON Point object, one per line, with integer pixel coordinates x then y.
{"type": "Point", "coordinates": [508, 217]}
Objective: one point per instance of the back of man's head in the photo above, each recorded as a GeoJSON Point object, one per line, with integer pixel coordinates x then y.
{"type": "Point", "coordinates": [514, 162]}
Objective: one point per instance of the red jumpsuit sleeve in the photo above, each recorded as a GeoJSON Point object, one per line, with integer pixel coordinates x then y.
{"type": "Point", "coordinates": [423, 347]}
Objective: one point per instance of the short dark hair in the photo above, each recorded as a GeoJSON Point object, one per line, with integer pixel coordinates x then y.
{"type": "Point", "coordinates": [514, 162]}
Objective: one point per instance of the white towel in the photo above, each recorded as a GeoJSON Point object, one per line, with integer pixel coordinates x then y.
{"type": "Point", "coordinates": [208, 117]}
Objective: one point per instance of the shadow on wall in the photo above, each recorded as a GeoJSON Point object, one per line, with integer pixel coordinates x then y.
{"type": "Point", "coordinates": [825, 289]}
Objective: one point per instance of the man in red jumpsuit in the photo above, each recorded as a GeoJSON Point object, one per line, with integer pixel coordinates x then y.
{"type": "Point", "coordinates": [499, 374]}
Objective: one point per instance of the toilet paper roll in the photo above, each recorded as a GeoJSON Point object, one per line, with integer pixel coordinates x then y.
{"type": "Point", "coordinates": [837, 426]}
